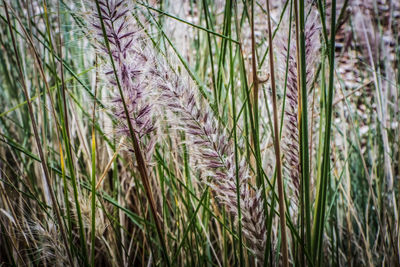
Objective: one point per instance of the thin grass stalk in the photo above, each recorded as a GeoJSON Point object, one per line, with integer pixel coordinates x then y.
{"type": "Point", "coordinates": [65, 191]}
{"type": "Point", "coordinates": [317, 242]}
{"type": "Point", "coordinates": [301, 247]}
{"type": "Point", "coordinates": [303, 122]}
{"type": "Point", "coordinates": [247, 106]}
{"type": "Point", "coordinates": [94, 185]}
{"type": "Point", "coordinates": [61, 73]}
{"type": "Point", "coordinates": [284, 97]}
{"type": "Point", "coordinates": [93, 200]}
{"type": "Point", "coordinates": [222, 55]}
{"type": "Point", "coordinates": [207, 15]}
{"type": "Point", "coordinates": [37, 138]}
{"type": "Point", "coordinates": [254, 70]}
{"type": "Point", "coordinates": [287, 65]}
{"type": "Point", "coordinates": [234, 117]}
{"type": "Point", "coordinates": [398, 150]}
{"type": "Point", "coordinates": [256, 82]}
{"type": "Point", "coordinates": [284, 246]}
{"type": "Point", "coordinates": [66, 119]}
{"type": "Point", "coordinates": [244, 89]}
{"type": "Point", "coordinates": [135, 142]}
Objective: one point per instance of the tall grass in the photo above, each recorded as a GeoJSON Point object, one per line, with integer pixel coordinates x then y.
{"type": "Point", "coordinates": [193, 133]}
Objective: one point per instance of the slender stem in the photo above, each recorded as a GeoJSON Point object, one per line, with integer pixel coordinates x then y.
{"type": "Point", "coordinates": [93, 193]}
{"type": "Point", "coordinates": [303, 120]}
{"type": "Point", "coordinates": [93, 203]}
{"type": "Point", "coordinates": [256, 82]}
{"type": "Point", "coordinates": [325, 172]}
{"type": "Point", "coordinates": [234, 117]}
{"type": "Point", "coordinates": [284, 245]}
{"type": "Point", "coordinates": [301, 195]}
{"type": "Point", "coordinates": [206, 14]}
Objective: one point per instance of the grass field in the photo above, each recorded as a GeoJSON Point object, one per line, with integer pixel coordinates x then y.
{"type": "Point", "coordinates": [199, 133]}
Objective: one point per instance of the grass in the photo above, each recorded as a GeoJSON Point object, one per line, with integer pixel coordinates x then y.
{"type": "Point", "coordinates": [246, 133]}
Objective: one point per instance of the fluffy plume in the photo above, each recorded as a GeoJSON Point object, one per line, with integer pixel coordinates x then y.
{"type": "Point", "coordinates": [291, 137]}
{"type": "Point", "coordinates": [131, 65]}
{"type": "Point", "coordinates": [213, 152]}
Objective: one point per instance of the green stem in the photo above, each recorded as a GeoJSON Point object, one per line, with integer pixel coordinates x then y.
{"type": "Point", "coordinates": [282, 214]}
{"type": "Point", "coordinates": [318, 227]}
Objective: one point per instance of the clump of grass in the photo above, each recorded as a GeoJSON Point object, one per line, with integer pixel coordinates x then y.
{"type": "Point", "coordinates": [147, 133]}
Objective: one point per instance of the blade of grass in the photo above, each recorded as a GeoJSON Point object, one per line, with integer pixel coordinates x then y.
{"type": "Point", "coordinates": [233, 101]}
{"type": "Point", "coordinates": [284, 246]}
{"type": "Point", "coordinates": [318, 227]}
{"type": "Point", "coordinates": [94, 186]}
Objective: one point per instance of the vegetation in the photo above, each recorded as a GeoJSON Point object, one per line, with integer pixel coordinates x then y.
{"type": "Point", "coordinates": [199, 133]}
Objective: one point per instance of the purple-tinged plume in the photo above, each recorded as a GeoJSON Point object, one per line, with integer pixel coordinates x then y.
{"type": "Point", "coordinates": [214, 155]}
{"type": "Point", "coordinates": [130, 61]}
{"type": "Point", "coordinates": [291, 136]}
